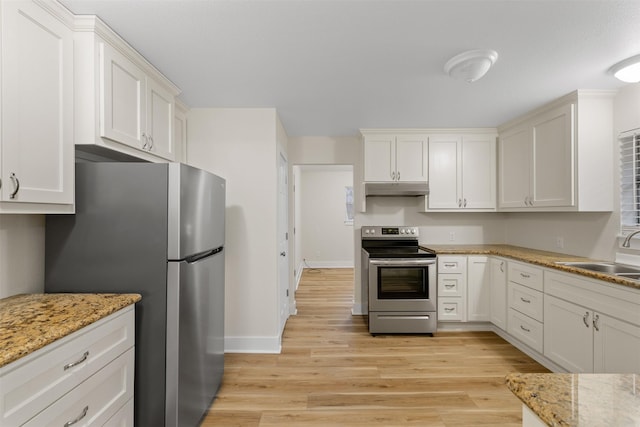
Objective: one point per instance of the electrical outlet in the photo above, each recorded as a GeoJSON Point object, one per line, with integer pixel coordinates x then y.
{"type": "Point", "coordinates": [452, 236]}
{"type": "Point", "coordinates": [560, 242]}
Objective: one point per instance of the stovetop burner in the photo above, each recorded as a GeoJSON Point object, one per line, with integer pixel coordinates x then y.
{"type": "Point", "coordinates": [393, 242]}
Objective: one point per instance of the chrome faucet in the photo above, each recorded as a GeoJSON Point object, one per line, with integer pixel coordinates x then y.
{"type": "Point", "coordinates": [627, 242]}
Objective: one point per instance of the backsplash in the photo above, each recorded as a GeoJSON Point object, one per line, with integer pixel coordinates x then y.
{"type": "Point", "coordinates": [21, 254]}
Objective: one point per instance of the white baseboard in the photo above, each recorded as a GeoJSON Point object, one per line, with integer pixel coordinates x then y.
{"type": "Point", "coordinates": [267, 345]}
{"type": "Point", "coordinates": [359, 309]}
{"type": "Point", "coordinates": [299, 274]}
{"type": "Point", "coordinates": [329, 264]}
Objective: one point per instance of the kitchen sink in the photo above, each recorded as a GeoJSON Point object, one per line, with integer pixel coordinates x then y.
{"type": "Point", "coordinates": [623, 270]}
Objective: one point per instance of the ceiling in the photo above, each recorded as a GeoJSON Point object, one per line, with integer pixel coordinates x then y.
{"type": "Point", "coordinates": [333, 67]}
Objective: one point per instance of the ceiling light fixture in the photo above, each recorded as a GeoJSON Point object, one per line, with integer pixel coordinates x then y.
{"type": "Point", "coordinates": [471, 65]}
{"type": "Point", "coordinates": [628, 70]}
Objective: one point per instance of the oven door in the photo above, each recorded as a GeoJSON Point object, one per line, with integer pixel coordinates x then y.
{"type": "Point", "coordinates": [402, 284]}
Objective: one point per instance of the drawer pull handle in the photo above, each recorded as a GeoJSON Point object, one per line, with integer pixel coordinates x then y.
{"type": "Point", "coordinates": [77, 362]}
{"type": "Point", "coordinates": [16, 185]}
{"type": "Point", "coordinates": [449, 309]}
{"type": "Point", "coordinates": [524, 276]}
{"type": "Point", "coordinates": [528, 301]}
{"type": "Point", "coordinates": [449, 286]}
{"type": "Point", "coordinates": [502, 267]}
{"type": "Point", "coordinates": [525, 329]}
{"type": "Point", "coordinates": [585, 319]}
{"type": "Point", "coordinates": [449, 265]}
{"type": "Point", "coordinates": [81, 416]}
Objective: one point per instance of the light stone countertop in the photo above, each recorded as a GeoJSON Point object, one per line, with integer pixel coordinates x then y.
{"type": "Point", "coordinates": [580, 400]}
{"type": "Point", "coordinates": [532, 256]}
{"type": "Point", "coordinates": [29, 322]}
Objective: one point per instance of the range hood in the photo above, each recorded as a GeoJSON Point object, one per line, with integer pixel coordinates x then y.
{"type": "Point", "coordinates": [396, 189]}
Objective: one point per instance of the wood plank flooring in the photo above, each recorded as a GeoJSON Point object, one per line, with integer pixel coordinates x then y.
{"type": "Point", "coordinates": [332, 372]}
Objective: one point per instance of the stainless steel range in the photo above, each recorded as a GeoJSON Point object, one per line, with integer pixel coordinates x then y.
{"type": "Point", "coordinates": [400, 279]}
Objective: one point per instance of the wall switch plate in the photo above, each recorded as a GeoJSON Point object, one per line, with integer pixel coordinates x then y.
{"type": "Point", "coordinates": [560, 242]}
{"type": "Point", "coordinates": [452, 236]}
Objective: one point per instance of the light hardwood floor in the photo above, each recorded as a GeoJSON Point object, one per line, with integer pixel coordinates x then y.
{"type": "Point", "coordinates": [332, 372]}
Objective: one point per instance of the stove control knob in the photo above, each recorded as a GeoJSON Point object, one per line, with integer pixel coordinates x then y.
{"type": "Point", "coordinates": [367, 231]}
{"type": "Point", "coordinates": [373, 231]}
{"type": "Point", "coordinates": [413, 231]}
{"type": "Point", "coordinates": [402, 231]}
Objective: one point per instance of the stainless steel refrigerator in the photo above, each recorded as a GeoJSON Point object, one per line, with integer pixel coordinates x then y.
{"type": "Point", "coordinates": [158, 230]}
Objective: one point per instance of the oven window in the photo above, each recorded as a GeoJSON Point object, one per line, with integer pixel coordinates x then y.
{"type": "Point", "coordinates": [402, 283]}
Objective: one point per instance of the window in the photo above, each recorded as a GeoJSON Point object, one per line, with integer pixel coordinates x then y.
{"type": "Point", "coordinates": [349, 206]}
{"type": "Point", "coordinates": [630, 181]}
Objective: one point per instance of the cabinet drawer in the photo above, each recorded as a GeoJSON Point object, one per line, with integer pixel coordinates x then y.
{"type": "Point", "coordinates": [526, 300]}
{"type": "Point", "coordinates": [94, 401]}
{"type": "Point", "coordinates": [525, 275]}
{"type": "Point", "coordinates": [30, 384]}
{"type": "Point", "coordinates": [450, 285]}
{"type": "Point", "coordinates": [526, 329]}
{"type": "Point", "coordinates": [122, 418]}
{"type": "Point", "coordinates": [451, 309]}
{"type": "Point", "coordinates": [452, 264]}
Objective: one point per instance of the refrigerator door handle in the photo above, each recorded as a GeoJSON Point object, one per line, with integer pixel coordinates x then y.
{"type": "Point", "coordinates": [202, 255]}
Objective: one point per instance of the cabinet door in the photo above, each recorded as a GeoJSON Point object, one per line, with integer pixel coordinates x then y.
{"type": "Point", "coordinates": [379, 159]}
{"type": "Point", "coordinates": [499, 293]}
{"type": "Point", "coordinates": [444, 184]}
{"type": "Point", "coordinates": [478, 288]}
{"type": "Point", "coordinates": [568, 335]}
{"type": "Point", "coordinates": [160, 121]}
{"type": "Point", "coordinates": [478, 172]}
{"type": "Point", "coordinates": [122, 102]}
{"type": "Point", "coordinates": [411, 158]}
{"type": "Point", "coordinates": [37, 161]}
{"type": "Point", "coordinates": [553, 159]}
{"type": "Point", "coordinates": [514, 169]}
{"type": "Point", "coordinates": [616, 345]}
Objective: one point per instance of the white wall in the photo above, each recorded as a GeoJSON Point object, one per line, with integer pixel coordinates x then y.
{"type": "Point", "coordinates": [241, 146]}
{"type": "Point", "coordinates": [326, 240]}
{"type": "Point", "coordinates": [21, 254]}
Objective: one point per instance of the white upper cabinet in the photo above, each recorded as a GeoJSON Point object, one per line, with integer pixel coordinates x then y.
{"type": "Point", "coordinates": [559, 157]}
{"type": "Point", "coordinates": [389, 157]}
{"type": "Point", "coordinates": [123, 106]}
{"type": "Point", "coordinates": [36, 143]}
{"type": "Point", "coordinates": [126, 105]}
{"type": "Point", "coordinates": [462, 172]}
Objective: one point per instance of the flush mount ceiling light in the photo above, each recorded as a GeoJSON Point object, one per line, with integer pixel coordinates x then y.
{"type": "Point", "coordinates": [471, 65]}
{"type": "Point", "coordinates": [628, 70]}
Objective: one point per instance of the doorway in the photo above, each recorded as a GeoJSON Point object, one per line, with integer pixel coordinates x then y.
{"type": "Point", "coordinates": [323, 217]}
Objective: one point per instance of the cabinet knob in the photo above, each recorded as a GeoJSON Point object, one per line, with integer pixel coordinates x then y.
{"type": "Point", "coordinates": [464, 205]}
{"type": "Point", "coordinates": [393, 176]}
{"type": "Point", "coordinates": [398, 176]}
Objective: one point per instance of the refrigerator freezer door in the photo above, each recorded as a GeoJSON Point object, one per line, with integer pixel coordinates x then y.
{"type": "Point", "coordinates": [195, 338]}
{"type": "Point", "coordinates": [196, 211]}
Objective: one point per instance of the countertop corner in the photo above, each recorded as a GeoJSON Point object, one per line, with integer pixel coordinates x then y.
{"type": "Point", "coordinates": [29, 322]}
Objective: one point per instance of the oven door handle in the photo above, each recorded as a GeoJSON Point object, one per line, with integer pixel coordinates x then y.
{"type": "Point", "coordinates": [402, 262]}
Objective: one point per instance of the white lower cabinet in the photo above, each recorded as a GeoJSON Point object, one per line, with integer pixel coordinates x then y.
{"type": "Point", "coordinates": [525, 317]}
{"type": "Point", "coordinates": [591, 326]}
{"type": "Point", "coordinates": [452, 288]}
{"type": "Point", "coordinates": [478, 289]}
{"type": "Point", "coordinates": [498, 291]}
{"type": "Point", "coordinates": [92, 368]}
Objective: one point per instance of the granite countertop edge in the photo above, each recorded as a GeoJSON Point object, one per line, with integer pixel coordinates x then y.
{"type": "Point", "coordinates": [532, 256]}
{"type": "Point", "coordinates": [29, 322]}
